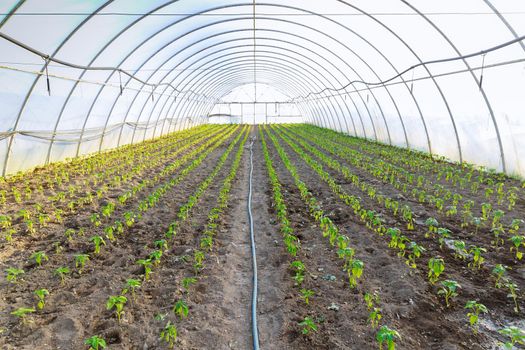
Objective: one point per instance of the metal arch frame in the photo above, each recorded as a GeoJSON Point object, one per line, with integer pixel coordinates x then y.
{"type": "Point", "coordinates": [476, 80]}
{"type": "Point", "coordinates": [217, 71]}
{"type": "Point", "coordinates": [269, 39]}
{"type": "Point", "coordinates": [438, 87]}
{"type": "Point", "coordinates": [274, 73]}
{"type": "Point", "coordinates": [505, 22]}
{"type": "Point", "coordinates": [235, 75]}
{"type": "Point", "coordinates": [227, 6]}
{"type": "Point", "coordinates": [7, 155]}
{"type": "Point", "coordinates": [364, 104]}
{"type": "Point", "coordinates": [11, 12]}
{"type": "Point", "coordinates": [238, 61]}
{"type": "Point", "coordinates": [37, 78]}
{"type": "Point", "coordinates": [386, 124]}
{"type": "Point", "coordinates": [262, 45]}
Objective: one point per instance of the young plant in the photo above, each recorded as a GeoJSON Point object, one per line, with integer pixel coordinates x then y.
{"type": "Point", "coordinates": [460, 250]}
{"type": "Point", "coordinates": [306, 294]}
{"type": "Point", "coordinates": [436, 266]}
{"type": "Point", "coordinates": [516, 335]}
{"type": "Point", "coordinates": [443, 234]}
{"type": "Point", "coordinates": [388, 336]}
{"type": "Point", "coordinates": [355, 272]}
{"type": "Point", "coordinates": [69, 234]}
{"type": "Point", "coordinates": [95, 343]}
{"type": "Point", "coordinates": [13, 273]}
{"type": "Point", "coordinates": [132, 284]}
{"type": "Point", "coordinates": [22, 313]}
{"type": "Point", "coordinates": [39, 257]}
{"type": "Point", "coordinates": [80, 261]}
{"type": "Point", "coordinates": [513, 293]}
{"type": "Point", "coordinates": [308, 326]}
{"type": "Point", "coordinates": [62, 272]}
{"type": "Point", "coordinates": [181, 308]}
{"type": "Point", "coordinates": [499, 271]}
{"type": "Point", "coordinates": [374, 317]}
{"type": "Point", "coordinates": [117, 302]}
{"type": "Point", "coordinates": [95, 220]}
{"type": "Point", "coordinates": [299, 269]}
{"type": "Point", "coordinates": [415, 253]}
{"type": "Point", "coordinates": [97, 241]}
{"type": "Point", "coordinates": [473, 315]}
{"type": "Point", "coordinates": [169, 334]}
{"type": "Point", "coordinates": [449, 290]}
{"type": "Point", "coordinates": [146, 263]}
{"type": "Point", "coordinates": [187, 282]}
{"type": "Point", "coordinates": [477, 259]}
{"type": "Point", "coordinates": [41, 294]}
{"type": "Point", "coordinates": [371, 299]}
{"type": "Point", "coordinates": [518, 241]}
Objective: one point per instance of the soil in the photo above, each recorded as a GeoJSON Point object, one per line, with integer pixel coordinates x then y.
{"type": "Point", "coordinates": [219, 303]}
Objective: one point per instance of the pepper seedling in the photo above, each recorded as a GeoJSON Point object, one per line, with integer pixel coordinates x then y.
{"type": "Point", "coordinates": [449, 290]}
{"type": "Point", "coordinates": [39, 257]}
{"type": "Point", "coordinates": [473, 316]}
{"type": "Point", "coordinates": [308, 326]}
{"type": "Point", "coordinates": [169, 334]}
{"type": "Point", "coordinates": [436, 266]}
{"type": "Point", "coordinates": [62, 272]}
{"type": "Point", "coordinates": [181, 308]}
{"type": "Point", "coordinates": [306, 294]}
{"type": "Point", "coordinates": [95, 343]}
{"type": "Point", "coordinates": [388, 336]}
{"type": "Point", "coordinates": [41, 294]}
{"type": "Point", "coordinates": [80, 261]}
{"type": "Point", "coordinates": [117, 302]}
{"type": "Point", "coordinates": [22, 313]}
{"type": "Point", "coordinates": [13, 273]}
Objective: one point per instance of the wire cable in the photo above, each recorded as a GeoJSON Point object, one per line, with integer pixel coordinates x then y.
{"type": "Point", "coordinates": [255, 331]}
{"type": "Point", "coordinates": [443, 60]}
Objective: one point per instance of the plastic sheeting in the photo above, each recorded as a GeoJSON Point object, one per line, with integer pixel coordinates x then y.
{"type": "Point", "coordinates": [186, 56]}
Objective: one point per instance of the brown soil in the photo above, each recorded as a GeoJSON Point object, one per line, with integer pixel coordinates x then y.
{"type": "Point", "coordinates": [219, 315]}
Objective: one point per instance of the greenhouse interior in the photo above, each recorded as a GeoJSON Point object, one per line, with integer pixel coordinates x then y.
{"type": "Point", "coordinates": [339, 174]}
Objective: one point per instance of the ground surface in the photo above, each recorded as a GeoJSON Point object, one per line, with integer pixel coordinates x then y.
{"type": "Point", "coordinates": [219, 301]}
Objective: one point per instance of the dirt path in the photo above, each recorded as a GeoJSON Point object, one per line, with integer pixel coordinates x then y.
{"type": "Point", "coordinates": [222, 317]}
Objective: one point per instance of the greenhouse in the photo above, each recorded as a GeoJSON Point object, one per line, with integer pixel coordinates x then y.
{"type": "Point", "coordinates": [339, 174]}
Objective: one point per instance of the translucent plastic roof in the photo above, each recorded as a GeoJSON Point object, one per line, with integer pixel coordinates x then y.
{"type": "Point", "coordinates": [124, 71]}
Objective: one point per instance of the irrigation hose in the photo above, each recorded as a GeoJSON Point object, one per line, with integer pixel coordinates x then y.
{"type": "Point", "coordinates": [255, 332]}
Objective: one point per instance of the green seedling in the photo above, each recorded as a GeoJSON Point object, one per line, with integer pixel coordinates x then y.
{"type": "Point", "coordinates": [460, 250]}
{"type": "Point", "coordinates": [39, 257]}
{"type": "Point", "coordinates": [80, 261]}
{"type": "Point", "coordinates": [41, 294]}
{"type": "Point", "coordinates": [146, 263]}
{"type": "Point", "coordinates": [473, 315]}
{"type": "Point", "coordinates": [513, 294]}
{"type": "Point", "coordinates": [198, 257]}
{"type": "Point", "coordinates": [95, 343]}
{"type": "Point", "coordinates": [374, 317]}
{"type": "Point", "coordinates": [516, 335]}
{"type": "Point", "coordinates": [69, 234]}
{"type": "Point", "coordinates": [117, 302]}
{"type": "Point", "coordinates": [449, 290]}
{"type": "Point", "coordinates": [306, 294]}
{"type": "Point", "coordinates": [62, 272]}
{"type": "Point", "coordinates": [355, 272]}
{"type": "Point", "coordinates": [13, 274]}
{"type": "Point", "coordinates": [477, 259]}
{"type": "Point", "coordinates": [108, 230]}
{"type": "Point", "coordinates": [436, 266]}
{"type": "Point", "coordinates": [187, 282]}
{"type": "Point", "coordinates": [499, 271]}
{"type": "Point", "coordinates": [97, 241]}
{"type": "Point", "coordinates": [22, 313]}
{"type": "Point", "coordinates": [95, 220]}
{"type": "Point", "coordinates": [132, 284]}
{"type": "Point", "coordinates": [155, 256]}
{"type": "Point", "coordinates": [415, 253]}
{"type": "Point", "coordinates": [518, 241]}
{"type": "Point", "coordinates": [371, 299]}
{"type": "Point", "coordinates": [181, 308]}
{"type": "Point", "coordinates": [169, 334]}
{"type": "Point", "coordinates": [443, 234]}
{"type": "Point", "coordinates": [161, 244]}
{"type": "Point", "coordinates": [388, 336]}
{"type": "Point", "coordinates": [308, 326]}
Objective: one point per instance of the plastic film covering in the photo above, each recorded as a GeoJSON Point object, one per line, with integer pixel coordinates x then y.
{"type": "Point", "coordinates": [78, 77]}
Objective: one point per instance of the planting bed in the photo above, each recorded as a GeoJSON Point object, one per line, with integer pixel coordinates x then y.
{"type": "Point", "coordinates": [357, 245]}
